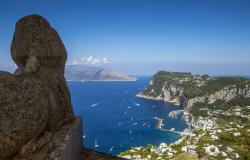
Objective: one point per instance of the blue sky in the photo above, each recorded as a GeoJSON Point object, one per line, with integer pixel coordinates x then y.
{"type": "Point", "coordinates": [141, 37]}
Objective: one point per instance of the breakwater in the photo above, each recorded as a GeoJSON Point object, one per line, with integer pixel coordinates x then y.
{"type": "Point", "coordinates": [159, 125]}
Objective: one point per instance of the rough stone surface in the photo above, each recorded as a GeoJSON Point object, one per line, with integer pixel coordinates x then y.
{"type": "Point", "coordinates": [34, 38]}
{"type": "Point", "coordinates": [73, 146]}
{"type": "Point", "coordinates": [35, 101]}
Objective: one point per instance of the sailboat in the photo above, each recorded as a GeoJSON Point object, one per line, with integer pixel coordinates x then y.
{"type": "Point", "coordinates": [111, 149]}
{"type": "Point", "coordinates": [148, 125]}
{"type": "Point", "coordinates": [130, 132]}
{"type": "Point", "coordinates": [96, 145]}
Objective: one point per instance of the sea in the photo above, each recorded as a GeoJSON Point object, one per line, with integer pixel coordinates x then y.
{"type": "Point", "coordinates": [114, 119]}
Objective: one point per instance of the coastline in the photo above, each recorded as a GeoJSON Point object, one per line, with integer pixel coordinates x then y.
{"type": "Point", "coordinates": [186, 115]}
{"type": "Point", "coordinates": [164, 146]}
{"type": "Point", "coordinates": [174, 102]}
{"type": "Point", "coordinates": [115, 80]}
{"type": "Point", "coordinates": [149, 97]}
{"type": "Point", "coordinates": [187, 118]}
{"type": "Point", "coordinates": [160, 149]}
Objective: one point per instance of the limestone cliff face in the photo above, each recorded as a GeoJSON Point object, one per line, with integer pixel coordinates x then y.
{"type": "Point", "coordinates": [170, 93]}
{"type": "Point", "coordinates": [181, 88]}
{"type": "Point", "coordinates": [35, 101]}
{"type": "Point", "coordinates": [226, 94]}
{"type": "Point", "coordinates": [166, 93]}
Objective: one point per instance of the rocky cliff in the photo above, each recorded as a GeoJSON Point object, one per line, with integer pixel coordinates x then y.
{"type": "Point", "coordinates": [225, 94]}
{"type": "Point", "coordinates": [187, 89]}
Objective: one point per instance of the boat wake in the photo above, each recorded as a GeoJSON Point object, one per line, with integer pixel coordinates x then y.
{"type": "Point", "coordinates": [93, 105]}
{"type": "Point", "coordinates": [134, 103]}
{"type": "Point", "coordinates": [96, 104]}
{"type": "Point", "coordinates": [137, 104]}
{"type": "Point", "coordinates": [156, 118]}
{"type": "Point", "coordinates": [134, 124]}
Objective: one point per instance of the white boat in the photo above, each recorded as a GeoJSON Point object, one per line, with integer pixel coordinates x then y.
{"type": "Point", "coordinates": [96, 145]}
{"type": "Point", "coordinates": [172, 129]}
{"type": "Point", "coordinates": [98, 103]}
{"type": "Point", "coordinates": [93, 105]}
{"type": "Point", "coordinates": [148, 125]}
{"type": "Point", "coordinates": [156, 118]}
{"type": "Point", "coordinates": [137, 104]}
{"type": "Point", "coordinates": [130, 132]}
{"type": "Point", "coordinates": [111, 149]}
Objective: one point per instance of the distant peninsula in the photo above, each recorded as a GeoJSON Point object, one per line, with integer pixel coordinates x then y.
{"type": "Point", "coordinates": [82, 72]}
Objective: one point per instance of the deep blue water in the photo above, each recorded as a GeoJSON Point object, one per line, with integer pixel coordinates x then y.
{"type": "Point", "coordinates": [116, 119]}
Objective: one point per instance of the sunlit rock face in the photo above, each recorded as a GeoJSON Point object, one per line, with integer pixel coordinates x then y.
{"type": "Point", "coordinates": [35, 38]}
{"type": "Point", "coordinates": [35, 101]}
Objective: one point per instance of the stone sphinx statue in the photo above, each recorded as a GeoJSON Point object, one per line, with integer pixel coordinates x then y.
{"type": "Point", "coordinates": [35, 101]}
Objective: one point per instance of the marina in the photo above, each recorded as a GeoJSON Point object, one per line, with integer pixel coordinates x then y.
{"type": "Point", "coordinates": [160, 124]}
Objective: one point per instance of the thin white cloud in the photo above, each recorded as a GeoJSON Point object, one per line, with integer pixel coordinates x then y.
{"type": "Point", "coordinates": [91, 61]}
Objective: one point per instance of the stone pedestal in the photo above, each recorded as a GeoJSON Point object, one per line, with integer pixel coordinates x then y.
{"type": "Point", "coordinates": [73, 147]}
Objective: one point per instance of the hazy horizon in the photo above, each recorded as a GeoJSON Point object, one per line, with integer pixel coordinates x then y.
{"type": "Point", "coordinates": [142, 37]}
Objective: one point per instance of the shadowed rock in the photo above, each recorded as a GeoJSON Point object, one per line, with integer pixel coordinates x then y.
{"type": "Point", "coordinates": [35, 101]}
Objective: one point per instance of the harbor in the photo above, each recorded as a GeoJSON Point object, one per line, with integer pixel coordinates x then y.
{"type": "Point", "coordinates": [160, 124]}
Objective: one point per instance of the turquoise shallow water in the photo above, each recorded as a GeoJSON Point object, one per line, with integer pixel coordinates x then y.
{"type": "Point", "coordinates": [114, 119]}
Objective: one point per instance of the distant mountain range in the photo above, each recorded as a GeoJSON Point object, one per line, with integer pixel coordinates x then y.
{"type": "Point", "coordinates": [93, 73]}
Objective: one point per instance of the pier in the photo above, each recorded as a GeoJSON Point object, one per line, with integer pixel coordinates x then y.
{"type": "Point", "coordinates": [159, 126]}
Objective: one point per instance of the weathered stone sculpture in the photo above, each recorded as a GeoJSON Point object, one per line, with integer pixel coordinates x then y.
{"type": "Point", "coordinates": [35, 100]}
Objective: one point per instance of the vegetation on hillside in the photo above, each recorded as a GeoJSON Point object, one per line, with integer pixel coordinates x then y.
{"type": "Point", "coordinates": [194, 85]}
{"type": "Point", "coordinates": [202, 109]}
{"type": "Point", "coordinates": [222, 134]}
{"type": "Point", "coordinates": [219, 129]}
